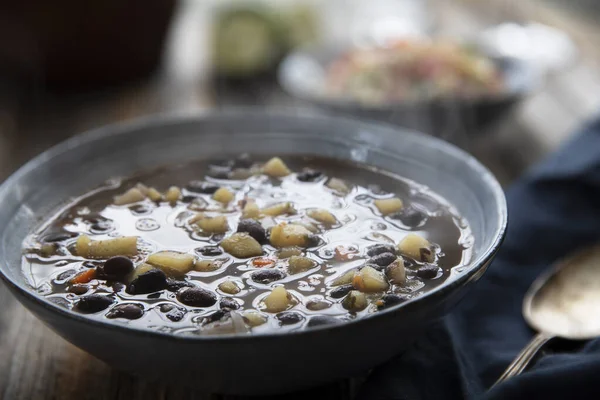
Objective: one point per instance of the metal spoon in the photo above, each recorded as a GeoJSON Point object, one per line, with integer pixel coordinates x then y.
{"type": "Point", "coordinates": [563, 302]}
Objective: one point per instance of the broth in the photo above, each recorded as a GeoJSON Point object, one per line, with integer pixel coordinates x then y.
{"type": "Point", "coordinates": [332, 213]}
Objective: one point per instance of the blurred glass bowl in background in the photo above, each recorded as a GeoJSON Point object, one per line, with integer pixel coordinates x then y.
{"type": "Point", "coordinates": [306, 74]}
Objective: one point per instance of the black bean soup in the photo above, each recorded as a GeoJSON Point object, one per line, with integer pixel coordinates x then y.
{"type": "Point", "coordinates": [238, 245]}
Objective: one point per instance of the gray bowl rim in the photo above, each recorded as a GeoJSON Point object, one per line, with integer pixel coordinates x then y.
{"type": "Point", "coordinates": [312, 51]}
{"type": "Point", "coordinates": [139, 124]}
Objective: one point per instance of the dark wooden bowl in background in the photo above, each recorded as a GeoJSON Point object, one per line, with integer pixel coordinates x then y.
{"type": "Point", "coordinates": [73, 44]}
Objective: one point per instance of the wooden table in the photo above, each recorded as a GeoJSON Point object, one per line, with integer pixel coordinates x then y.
{"type": "Point", "coordinates": [37, 364]}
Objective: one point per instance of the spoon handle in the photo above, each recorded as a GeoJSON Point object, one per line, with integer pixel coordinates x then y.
{"type": "Point", "coordinates": [525, 357]}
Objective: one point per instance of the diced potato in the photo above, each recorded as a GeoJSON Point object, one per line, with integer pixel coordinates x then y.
{"type": "Point", "coordinates": [279, 209]}
{"type": "Point", "coordinates": [229, 287]}
{"type": "Point", "coordinates": [133, 195]}
{"type": "Point", "coordinates": [396, 272]}
{"type": "Point", "coordinates": [213, 224]}
{"type": "Point", "coordinates": [287, 252]}
{"type": "Point", "coordinates": [278, 300]}
{"type": "Point", "coordinates": [297, 264]}
{"type": "Point", "coordinates": [173, 194]}
{"type": "Point", "coordinates": [355, 301]}
{"type": "Point", "coordinates": [241, 245]}
{"type": "Point", "coordinates": [275, 167]}
{"type": "Point", "coordinates": [223, 195]}
{"type": "Point", "coordinates": [48, 249]}
{"type": "Point", "coordinates": [154, 194]}
{"type": "Point", "coordinates": [388, 206]}
{"type": "Point", "coordinates": [323, 216]}
{"type": "Point", "coordinates": [338, 185]}
{"type": "Point", "coordinates": [140, 269]}
{"type": "Point", "coordinates": [287, 235]}
{"type": "Point", "coordinates": [254, 318]}
{"type": "Point", "coordinates": [208, 265]}
{"type": "Point", "coordinates": [416, 247]}
{"type": "Point", "coordinates": [82, 246]}
{"type": "Point", "coordinates": [250, 211]}
{"type": "Point", "coordinates": [142, 188]}
{"type": "Point", "coordinates": [369, 280]}
{"type": "Point", "coordinates": [344, 279]}
{"type": "Point", "coordinates": [194, 220]}
{"type": "Point", "coordinates": [241, 173]}
{"type": "Point", "coordinates": [305, 222]}
{"type": "Point", "coordinates": [172, 263]}
{"type": "Point", "coordinates": [122, 246]}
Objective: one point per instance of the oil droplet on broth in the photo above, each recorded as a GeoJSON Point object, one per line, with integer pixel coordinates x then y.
{"type": "Point", "coordinates": [147, 224]}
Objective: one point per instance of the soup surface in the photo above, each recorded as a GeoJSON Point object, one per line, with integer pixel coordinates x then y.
{"type": "Point", "coordinates": [243, 245]}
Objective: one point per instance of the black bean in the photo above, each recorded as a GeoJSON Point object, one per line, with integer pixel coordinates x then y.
{"type": "Point", "coordinates": [118, 267]}
{"type": "Point", "coordinates": [321, 320]}
{"type": "Point", "coordinates": [166, 307]}
{"type": "Point", "coordinates": [254, 229]}
{"type": "Point", "coordinates": [89, 264]}
{"type": "Point", "coordinates": [390, 300]}
{"type": "Point", "coordinates": [229, 303]}
{"type": "Point", "coordinates": [222, 163]}
{"type": "Point", "coordinates": [117, 287]}
{"type": "Point", "coordinates": [196, 297]}
{"type": "Point", "coordinates": [140, 209]}
{"type": "Point", "coordinates": [267, 275]}
{"type": "Point", "coordinates": [209, 251]}
{"type": "Point", "coordinates": [313, 240]}
{"type": "Point", "coordinates": [176, 314]}
{"type": "Point", "coordinates": [78, 289]}
{"type": "Point", "coordinates": [243, 161]}
{"type": "Point", "coordinates": [155, 295]}
{"type": "Point", "coordinates": [58, 237]}
{"type": "Point", "coordinates": [428, 271]}
{"type": "Point", "coordinates": [218, 172]}
{"type": "Point", "coordinates": [377, 249]}
{"type": "Point", "coordinates": [289, 317]}
{"type": "Point", "coordinates": [173, 285]}
{"type": "Point", "coordinates": [214, 317]}
{"type": "Point", "coordinates": [383, 259]}
{"type": "Point", "coordinates": [148, 282]}
{"type": "Point", "coordinates": [341, 291]}
{"type": "Point", "coordinates": [202, 187]}
{"type": "Point", "coordinates": [318, 305]}
{"type": "Point", "coordinates": [309, 175]}
{"type": "Point", "coordinates": [63, 276]}
{"type": "Point", "coordinates": [188, 199]}
{"type": "Point", "coordinates": [93, 303]}
{"type": "Point", "coordinates": [127, 311]}
{"type": "Point", "coordinates": [410, 216]}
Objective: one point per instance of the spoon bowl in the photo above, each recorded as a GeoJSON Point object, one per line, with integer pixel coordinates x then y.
{"type": "Point", "coordinates": [562, 303]}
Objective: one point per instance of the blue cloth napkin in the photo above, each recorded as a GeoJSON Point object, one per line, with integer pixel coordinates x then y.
{"type": "Point", "coordinates": [553, 210]}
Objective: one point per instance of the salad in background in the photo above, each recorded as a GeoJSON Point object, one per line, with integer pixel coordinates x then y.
{"type": "Point", "coordinates": [412, 70]}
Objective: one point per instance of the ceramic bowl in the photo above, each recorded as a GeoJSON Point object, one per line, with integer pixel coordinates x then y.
{"type": "Point", "coordinates": [259, 364]}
